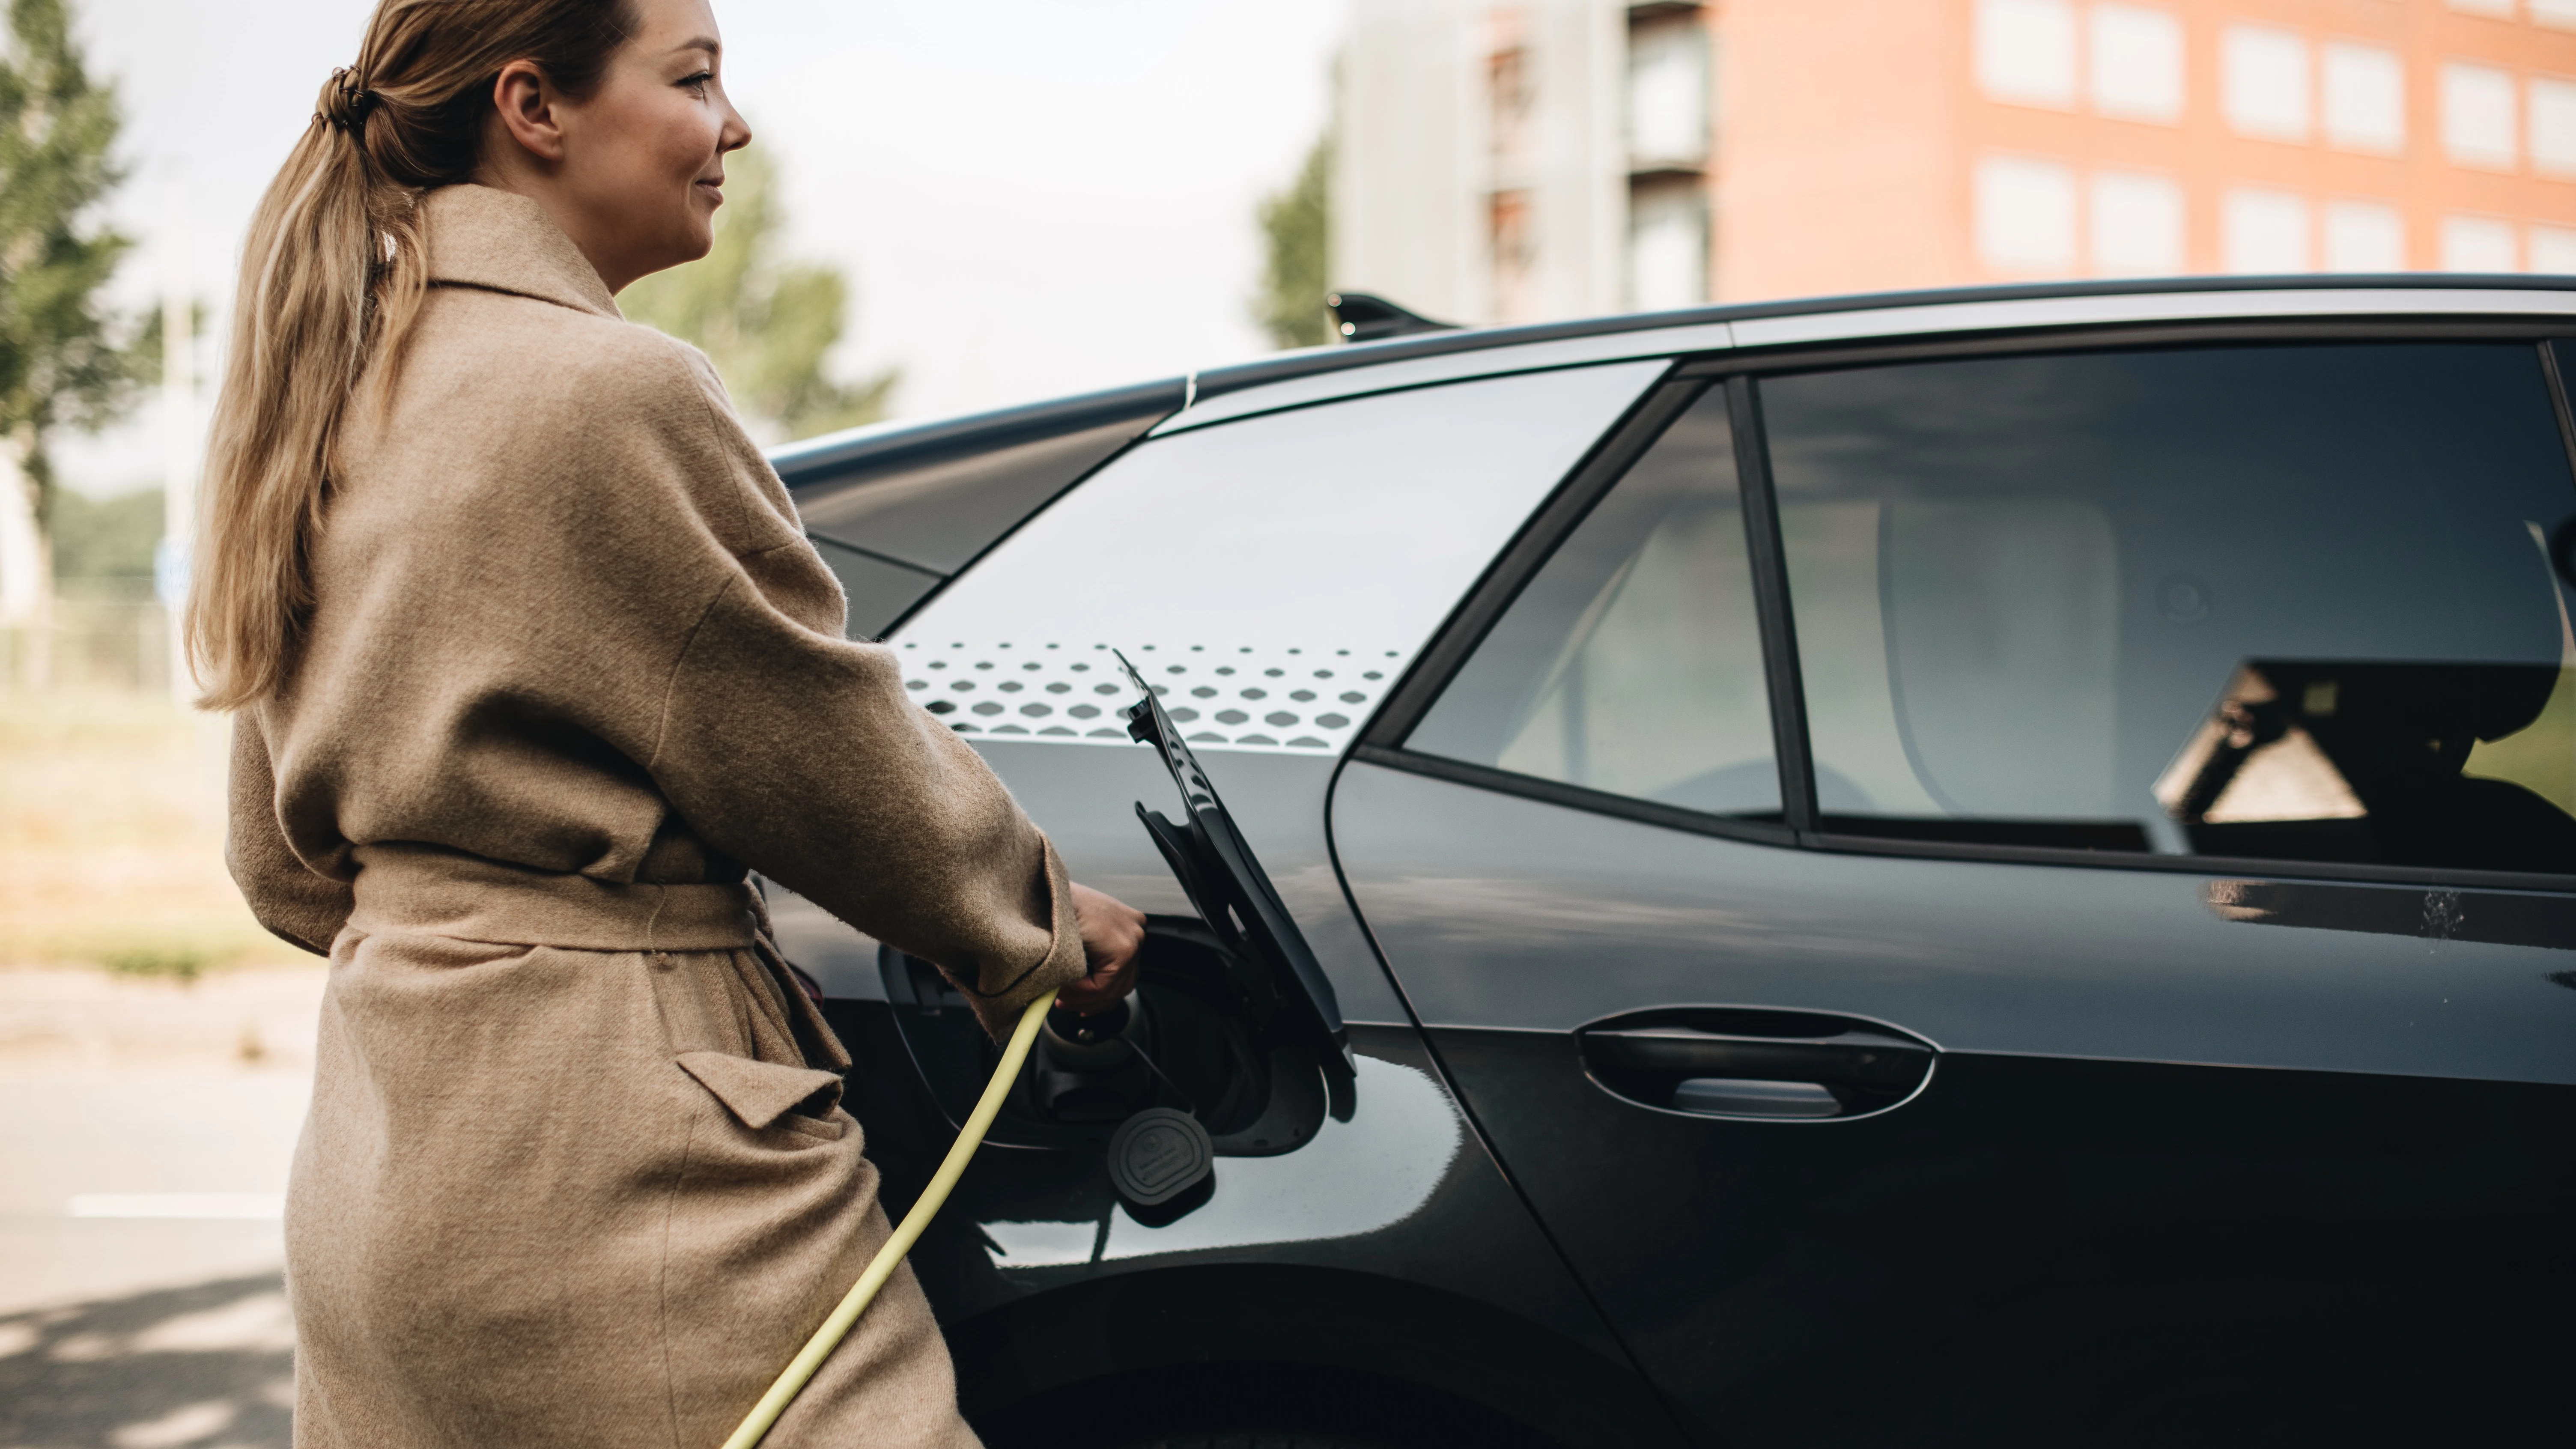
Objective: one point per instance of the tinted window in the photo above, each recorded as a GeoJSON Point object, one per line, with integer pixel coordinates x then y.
{"type": "Point", "coordinates": [1273, 575]}
{"type": "Point", "coordinates": [1632, 662]}
{"type": "Point", "coordinates": [878, 590]}
{"type": "Point", "coordinates": [2282, 602]}
{"type": "Point", "coordinates": [932, 496]}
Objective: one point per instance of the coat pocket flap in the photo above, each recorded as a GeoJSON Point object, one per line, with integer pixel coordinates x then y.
{"type": "Point", "coordinates": [759, 1093]}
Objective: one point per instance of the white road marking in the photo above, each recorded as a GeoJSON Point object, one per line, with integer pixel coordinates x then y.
{"type": "Point", "coordinates": [200, 1206]}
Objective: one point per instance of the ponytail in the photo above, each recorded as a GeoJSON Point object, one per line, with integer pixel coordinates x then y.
{"type": "Point", "coordinates": [332, 275]}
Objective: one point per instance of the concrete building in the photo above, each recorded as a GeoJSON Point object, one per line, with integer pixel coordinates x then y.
{"type": "Point", "coordinates": [1522, 160]}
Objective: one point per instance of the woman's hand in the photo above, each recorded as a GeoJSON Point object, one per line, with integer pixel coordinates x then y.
{"type": "Point", "coordinates": [1112, 932]}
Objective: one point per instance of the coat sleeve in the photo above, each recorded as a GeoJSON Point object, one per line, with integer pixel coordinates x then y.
{"type": "Point", "coordinates": [295, 903]}
{"type": "Point", "coordinates": [798, 752]}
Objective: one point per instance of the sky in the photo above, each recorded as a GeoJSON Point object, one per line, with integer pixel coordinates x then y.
{"type": "Point", "coordinates": [1031, 197]}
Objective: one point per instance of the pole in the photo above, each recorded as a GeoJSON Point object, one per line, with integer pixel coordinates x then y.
{"type": "Point", "coordinates": [178, 433]}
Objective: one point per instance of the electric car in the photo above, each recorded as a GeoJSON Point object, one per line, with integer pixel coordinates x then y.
{"type": "Point", "coordinates": [1978, 867]}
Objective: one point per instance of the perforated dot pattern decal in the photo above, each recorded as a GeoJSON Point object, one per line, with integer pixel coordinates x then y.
{"type": "Point", "coordinates": [1292, 700]}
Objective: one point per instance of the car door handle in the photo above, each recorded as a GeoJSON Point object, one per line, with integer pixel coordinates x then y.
{"type": "Point", "coordinates": [1733, 1062]}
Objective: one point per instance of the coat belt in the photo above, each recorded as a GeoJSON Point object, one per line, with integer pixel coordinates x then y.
{"type": "Point", "coordinates": [419, 889]}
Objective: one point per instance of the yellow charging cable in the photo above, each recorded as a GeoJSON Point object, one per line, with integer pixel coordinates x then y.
{"type": "Point", "coordinates": [828, 1337]}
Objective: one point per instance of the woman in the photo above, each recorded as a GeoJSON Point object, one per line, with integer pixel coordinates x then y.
{"type": "Point", "coordinates": [530, 662]}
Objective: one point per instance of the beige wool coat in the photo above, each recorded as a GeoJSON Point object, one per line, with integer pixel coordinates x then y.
{"type": "Point", "coordinates": [575, 1173]}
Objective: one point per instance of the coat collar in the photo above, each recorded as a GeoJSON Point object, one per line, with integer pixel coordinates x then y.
{"type": "Point", "coordinates": [481, 236]}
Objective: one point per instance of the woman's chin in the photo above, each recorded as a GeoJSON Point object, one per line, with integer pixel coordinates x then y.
{"type": "Point", "coordinates": [700, 239]}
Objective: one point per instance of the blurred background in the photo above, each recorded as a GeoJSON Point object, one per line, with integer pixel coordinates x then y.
{"type": "Point", "coordinates": [949, 208]}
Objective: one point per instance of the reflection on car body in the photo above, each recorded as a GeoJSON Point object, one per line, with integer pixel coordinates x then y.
{"type": "Point", "coordinates": [1779, 795]}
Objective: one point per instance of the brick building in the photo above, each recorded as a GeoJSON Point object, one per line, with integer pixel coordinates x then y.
{"type": "Point", "coordinates": [1521, 160]}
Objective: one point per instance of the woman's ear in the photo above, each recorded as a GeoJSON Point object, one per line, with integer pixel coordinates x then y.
{"type": "Point", "coordinates": [525, 105]}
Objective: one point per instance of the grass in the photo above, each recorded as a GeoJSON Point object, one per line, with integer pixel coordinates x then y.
{"type": "Point", "coordinates": [111, 839]}
{"type": "Point", "coordinates": [184, 964]}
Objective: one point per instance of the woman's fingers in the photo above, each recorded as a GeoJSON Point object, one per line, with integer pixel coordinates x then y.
{"type": "Point", "coordinates": [1112, 933]}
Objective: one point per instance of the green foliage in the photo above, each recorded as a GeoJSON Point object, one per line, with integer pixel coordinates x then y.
{"type": "Point", "coordinates": [768, 324]}
{"type": "Point", "coordinates": [183, 964]}
{"type": "Point", "coordinates": [1297, 225]}
{"type": "Point", "coordinates": [105, 538]}
{"type": "Point", "coordinates": [62, 362]}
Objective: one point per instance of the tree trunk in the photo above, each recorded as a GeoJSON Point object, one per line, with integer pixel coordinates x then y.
{"type": "Point", "coordinates": [26, 574]}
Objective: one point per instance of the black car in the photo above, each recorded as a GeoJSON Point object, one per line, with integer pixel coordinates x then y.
{"type": "Point", "coordinates": [1970, 868]}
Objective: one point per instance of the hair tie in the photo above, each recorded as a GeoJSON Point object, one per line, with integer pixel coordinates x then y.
{"type": "Point", "coordinates": [346, 101]}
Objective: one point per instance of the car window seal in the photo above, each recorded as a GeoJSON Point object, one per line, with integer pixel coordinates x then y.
{"type": "Point", "coordinates": [2217, 865]}
{"type": "Point", "coordinates": [1782, 680]}
{"type": "Point", "coordinates": [1557, 792]}
{"type": "Point", "coordinates": [1755, 832]}
{"type": "Point", "coordinates": [1840, 353]}
{"type": "Point", "coordinates": [2556, 379]}
{"type": "Point", "coordinates": [889, 560]}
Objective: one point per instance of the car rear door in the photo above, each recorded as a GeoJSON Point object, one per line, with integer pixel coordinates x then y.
{"type": "Point", "coordinates": [1270, 571]}
{"type": "Point", "coordinates": [2013, 896]}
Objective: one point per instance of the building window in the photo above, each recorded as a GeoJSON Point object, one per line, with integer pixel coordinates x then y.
{"type": "Point", "coordinates": [1667, 246]}
{"type": "Point", "coordinates": [2477, 116]}
{"type": "Point", "coordinates": [2554, 14]}
{"type": "Point", "coordinates": [2364, 236]}
{"type": "Point", "coordinates": [2365, 97]}
{"type": "Point", "coordinates": [1668, 108]}
{"type": "Point", "coordinates": [2025, 216]}
{"type": "Point", "coordinates": [2137, 63]}
{"type": "Point", "coordinates": [2477, 244]}
{"type": "Point", "coordinates": [2137, 224]}
{"type": "Point", "coordinates": [2267, 83]}
{"type": "Point", "coordinates": [1512, 242]}
{"type": "Point", "coordinates": [2026, 51]}
{"type": "Point", "coordinates": [2267, 231]}
{"type": "Point", "coordinates": [2553, 250]}
{"type": "Point", "coordinates": [1509, 89]}
{"type": "Point", "coordinates": [2553, 126]}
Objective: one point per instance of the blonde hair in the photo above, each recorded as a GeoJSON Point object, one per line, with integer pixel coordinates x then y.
{"type": "Point", "coordinates": [332, 275]}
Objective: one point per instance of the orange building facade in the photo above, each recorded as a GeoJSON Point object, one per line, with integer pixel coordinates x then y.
{"type": "Point", "coordinates": [1861, 145]}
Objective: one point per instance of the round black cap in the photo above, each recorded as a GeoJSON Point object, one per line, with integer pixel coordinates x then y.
{"type": "Point", "coordinates": [1158, 1154]}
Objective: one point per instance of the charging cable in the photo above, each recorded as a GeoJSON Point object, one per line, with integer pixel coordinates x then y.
{"type": "Point", "coordinates": [881, 1268]}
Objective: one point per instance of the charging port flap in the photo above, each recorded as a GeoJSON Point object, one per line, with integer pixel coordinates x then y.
{"type": "Point", "coordinates": [1233, 894]}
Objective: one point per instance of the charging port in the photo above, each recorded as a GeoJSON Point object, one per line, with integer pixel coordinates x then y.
{"type": "Point", "coordinates": [1202, 1035]}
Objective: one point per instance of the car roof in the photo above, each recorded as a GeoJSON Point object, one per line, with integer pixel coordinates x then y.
{"type": "Point", "coordinates": [1315, 374]}
{"type": "Point", "coordinates": [1310, 361]}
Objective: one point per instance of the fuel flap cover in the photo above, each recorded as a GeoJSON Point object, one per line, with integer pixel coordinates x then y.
{"type": "Point", "coordinates": [1233, 893]}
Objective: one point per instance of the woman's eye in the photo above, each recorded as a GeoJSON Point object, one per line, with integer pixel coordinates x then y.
{"type": "Point", "coordinates": [699, 81]}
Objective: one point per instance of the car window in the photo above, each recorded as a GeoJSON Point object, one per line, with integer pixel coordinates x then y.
{"type": "Point", "coordinates": [877, 590]}
{"type": "Point", "coordinates": [1632, 662]}
{"type": "Point", "coordinates": [1273, 576]}
{"type": "Point", "coordinates": [2285, 602]}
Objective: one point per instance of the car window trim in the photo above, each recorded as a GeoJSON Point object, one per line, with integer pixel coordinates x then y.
{"type": "Point", "coordinates": [1694, 822]}
{"type": "Point", "coordinates": [825, 540]}
{"type": "Point", "coordinates": [1557, 792]}
{"type": "Point", "coordinates": [1784, 681]}
{"type": "Point", "coordinates": [1787, 358]}
{"type": "Point", "coordinates": [2556, 379]}
{"type": "Point", "coordinates": [1381, 741]}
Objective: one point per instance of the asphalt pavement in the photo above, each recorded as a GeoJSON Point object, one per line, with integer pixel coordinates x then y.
{"type": "Point", "coordinates": [145, 1133]}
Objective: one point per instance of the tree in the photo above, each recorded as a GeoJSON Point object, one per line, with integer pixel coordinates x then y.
{"type": "Point", "coordinates": [768, 325]}
{"type": "Point", "coordinates": [1297, 225]}
{"type": "Point", "coordinates": [62, 360]}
